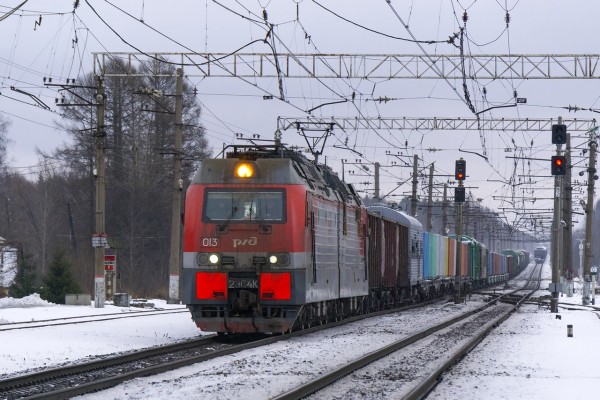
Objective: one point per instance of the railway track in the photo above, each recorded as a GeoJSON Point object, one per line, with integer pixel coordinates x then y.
{"type": "Point", "coordinates": [472, 327]}
{"type": "Point", "coordinates": [69, 381]}
{"type": "Point", "coordinates": [10, 326]}
{"type": "Point", "coordinates": [82, 378]}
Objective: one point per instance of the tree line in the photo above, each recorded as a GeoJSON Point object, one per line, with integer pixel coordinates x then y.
{"type": "Point", "coordinates": [50, 216]}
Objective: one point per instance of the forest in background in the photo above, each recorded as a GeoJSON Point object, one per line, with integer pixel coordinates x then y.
{"type": "Point", "coordinates": [53, 211]}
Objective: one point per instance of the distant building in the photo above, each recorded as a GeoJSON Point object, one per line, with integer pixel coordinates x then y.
{"type": "Point", "coordinates": [8, 267]}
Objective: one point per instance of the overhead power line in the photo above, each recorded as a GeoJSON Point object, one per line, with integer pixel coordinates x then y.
{"type": "Point", "coordinates": [381, 33]}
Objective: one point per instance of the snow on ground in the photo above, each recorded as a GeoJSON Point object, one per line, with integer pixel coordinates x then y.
{"type": "Point", "coordinates": [24, 349]}
{"type": "Point", "coordinates": [529, 356]}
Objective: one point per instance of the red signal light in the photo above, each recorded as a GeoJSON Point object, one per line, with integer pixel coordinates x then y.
{"type": "Point", "coordinates": [559, 165]}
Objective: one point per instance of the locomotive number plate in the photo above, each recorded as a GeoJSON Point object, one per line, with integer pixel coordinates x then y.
{"type": "Point", "coordinates": [210, 242]}
{"type": "Point", "coordinates": [242, 283]}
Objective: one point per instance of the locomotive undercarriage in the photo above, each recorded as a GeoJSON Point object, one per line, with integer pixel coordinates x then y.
{"type": "Point", "coordinates": [244, 313]}
{"type": "Point", "coordinates": [265, 318]}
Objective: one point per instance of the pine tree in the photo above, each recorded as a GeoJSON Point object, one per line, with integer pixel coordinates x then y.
{"type": "Point", "coordinates": [24, 283]}
{"type": "Point", "coordinates": [59, 280]}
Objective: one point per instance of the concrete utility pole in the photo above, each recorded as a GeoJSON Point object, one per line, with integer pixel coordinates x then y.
{"type": "Point", "coordinates": [377, 165]}
{"type": "Point", "coordinates": [580, 269]}
{"type": "Point", "coordinates": [445, 211]}
{"type": "Point", "coordinates": [174, 259]}
{"type": "Point", "coordinates": [589, 210]}
{"type": "Point", "coordinates": [430, 198]}
{"type": "Point", "coordinates": [415, 181]}
{"type": "Point", "coordinates": [99, 238]}
{"type": "Point", "coordinates": [465, 214]}
{"type": "Point", "coordinates": [457, 277]}
{"type": "Point", "coordinates": [567, 242]}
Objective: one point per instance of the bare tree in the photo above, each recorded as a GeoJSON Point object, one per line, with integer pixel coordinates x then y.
{"type": "Point", "coordinates": [139, 149]}
{"type": "Point", "coordinates": [4, 124]}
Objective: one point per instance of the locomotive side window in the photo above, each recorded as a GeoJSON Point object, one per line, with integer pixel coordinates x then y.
{"type": "Point", "coordinates": [261, 205]}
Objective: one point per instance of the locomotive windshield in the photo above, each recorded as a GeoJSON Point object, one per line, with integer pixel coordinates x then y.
{"type": "Point", "coordinates": [260, 205]}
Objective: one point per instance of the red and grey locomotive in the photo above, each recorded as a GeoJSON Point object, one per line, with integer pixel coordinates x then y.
{"type": "Point", "coordinates": [272, 242]}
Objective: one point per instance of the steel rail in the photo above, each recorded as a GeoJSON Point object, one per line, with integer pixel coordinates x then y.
{"type": "Point", "coordinates": [426, 385]}
{"type": "Point", "coordinates": [53, 373]}
{"type": "Point", "coordinates": [10, 326]}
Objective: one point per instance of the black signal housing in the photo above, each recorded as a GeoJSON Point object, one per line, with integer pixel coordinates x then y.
{"type": "Point", "coordinates": [559, 134]}
{"type": "Point", "coordinates": [558, 165]}
{"type": "Point", "coordinates": [460, 170]}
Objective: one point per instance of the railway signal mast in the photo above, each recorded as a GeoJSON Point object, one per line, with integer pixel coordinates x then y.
{"type": "Point", "coordinates": [558, 168]}
{"type": "Point", "coordinates": [460, 172]}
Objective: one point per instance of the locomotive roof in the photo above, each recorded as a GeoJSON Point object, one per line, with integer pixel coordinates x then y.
{"type": "Point", "coordinates": [281, 166]}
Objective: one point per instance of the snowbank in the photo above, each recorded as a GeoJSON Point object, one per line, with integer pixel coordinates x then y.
{"type": "Point", "coordinates": [33, 300]}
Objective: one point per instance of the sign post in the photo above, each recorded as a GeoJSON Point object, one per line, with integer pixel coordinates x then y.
{"type": "Point", "coordinates": [460, 172]}
{"type": "Point", "coordinates": [594, 272]}
{"type": "Point", "coordinates": [110, 274]}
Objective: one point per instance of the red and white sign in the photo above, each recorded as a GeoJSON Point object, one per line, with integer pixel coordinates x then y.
{"type": "Point", "coordinates": [110, 262]}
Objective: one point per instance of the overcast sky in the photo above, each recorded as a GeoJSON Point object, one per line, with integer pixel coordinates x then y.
{"type": "Point", "coordinates": [51, 39]}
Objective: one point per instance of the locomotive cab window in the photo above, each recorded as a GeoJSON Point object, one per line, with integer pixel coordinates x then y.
{"type": "Point", "coordinates": [244, 206]}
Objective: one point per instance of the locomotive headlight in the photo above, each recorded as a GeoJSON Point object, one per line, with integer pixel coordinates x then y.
{"type": "Point", "coordinates": [244, 170]}
{"type": "Point", "coordinates": [213, 258]}
{"type": "Point", "coordinates": [202, 259]}
{"type": "Point", "coordinates": [281, 259]}
{"type": "Point", "coordinates": [284, 259]}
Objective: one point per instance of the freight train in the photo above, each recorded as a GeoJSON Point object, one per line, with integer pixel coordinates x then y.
{"type": "Point", "coordinates": [274, 243]}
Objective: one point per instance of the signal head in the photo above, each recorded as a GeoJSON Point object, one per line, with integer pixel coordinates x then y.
{"type": "Point", "coordinates": [559, 134]}
{"type": "Point", "coordinates": [558, 165]}
{"type": "Point", "coordinates": [460, 170]}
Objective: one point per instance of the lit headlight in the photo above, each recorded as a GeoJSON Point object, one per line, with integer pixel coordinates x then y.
{"type": "Point", "coordinates": [281, 259]}
{"type": "Point", "coordinates": [213, 258]}
{"type": "Point", "coordinates": [244, 170]}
